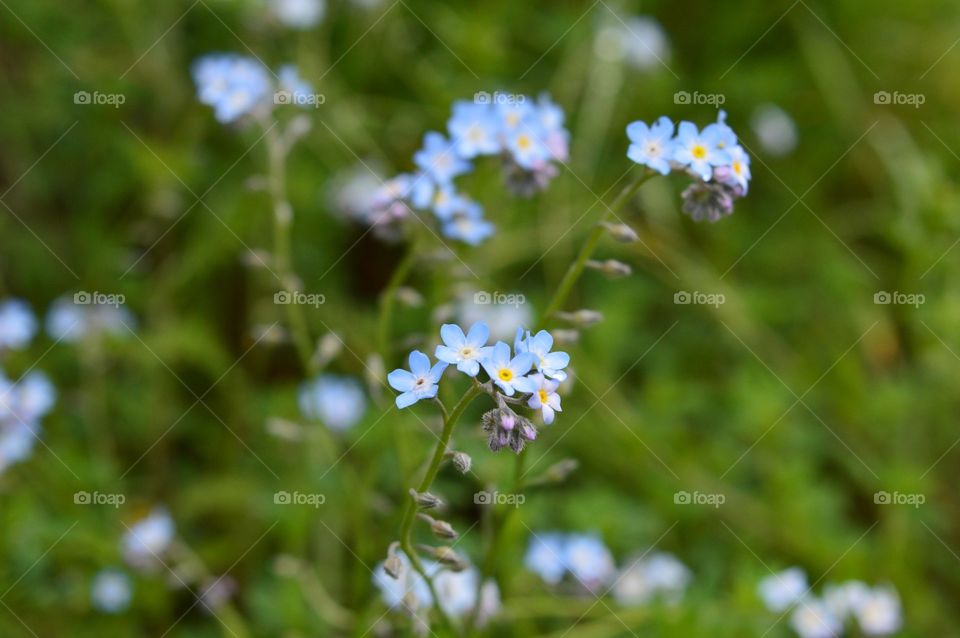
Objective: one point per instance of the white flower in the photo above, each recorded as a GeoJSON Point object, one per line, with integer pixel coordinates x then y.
{"type": "Point", "coordinates": [111, 591]}
{"type": "Point", "coordinates": [813, 619]}
{"type": "Point", "coordinates": [775, 129]}
{"type": "Point", "coordinates": [879, 612]}
{"type": "Point", "coordinates": [782, 590]}
{"type": "Point", "coordinates": [147, 539]}
{"type": "Point", "coordinates": [299, 14]}
{"type": "Point", "coordinates": [337, 402]}
{"type": "Point", "coordinates": [646, 577]}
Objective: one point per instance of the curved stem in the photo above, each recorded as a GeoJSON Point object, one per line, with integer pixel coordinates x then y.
{"type": "Point", "coordinates": [282, 223]}
{"type": "Point", "coordinates": [590, 245]}
{"type": "Point", "coordinates": [409, 514]}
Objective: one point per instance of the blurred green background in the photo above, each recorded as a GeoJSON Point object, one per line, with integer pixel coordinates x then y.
{"type": "Point", "coordinates": [798, 399]}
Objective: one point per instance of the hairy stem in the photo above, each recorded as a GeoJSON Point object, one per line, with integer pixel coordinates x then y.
{"type": "Point", "coordinates": [406, 526]}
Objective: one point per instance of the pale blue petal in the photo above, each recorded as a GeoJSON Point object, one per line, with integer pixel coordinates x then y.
{"type": "Point", "coordinates": [419, 363]}
{"type": "Point", "coordinates": [406, 399]}
{"type": "Point", "coordinates": [437, 371]}
{"type": "Point", "coordinates": [478, 335]}
{"type": "Point", "coordinates": [470, 367]}
{"type": "Point", "coordinates": [447, 354]}
{"type": "Point", "coordinates": [452, 335]}
{"type": "Point", "coordinates": [400, 380]}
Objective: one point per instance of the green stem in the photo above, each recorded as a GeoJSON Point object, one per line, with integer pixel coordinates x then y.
{"type": "Point", "coordinates": [388, 298]}
{"type": "Point", "coordinates": [590, 245]}
{"type": "Point", "coordinates": [409, 515]}
{"type": "Point", "coordinates": [282, 224]}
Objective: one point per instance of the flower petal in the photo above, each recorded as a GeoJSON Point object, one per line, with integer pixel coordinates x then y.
{"type": "Point", "coordinates": [406, 399]}
{"type": "Point", "coordinates": [478, 335]}
{"type": "Point", "coordinates": [401, 380]}
{"type": "Point", "coordinates": [419, 363]}
{"type": "Point", "coordinates": [452, 335]}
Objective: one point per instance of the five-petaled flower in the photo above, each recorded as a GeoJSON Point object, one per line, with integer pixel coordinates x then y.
{"type": "Point", "coordinates": [652, 146]}
{"type": "Point", "coordinates": [549, 364]}
{"type": "Point", "coordinates": [420, 382]}
{"type": "Point", "coordinates": [509, 373]}
{"type": "Point", "coordinates": [465, 351]}
{"type": "Point", "coordinates": [545, 397]}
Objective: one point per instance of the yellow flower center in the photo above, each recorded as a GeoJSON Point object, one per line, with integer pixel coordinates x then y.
{"type": "Point", "coordinates": [505, 374]}
{"type": "Point", "coordinates": [543, 395]}
{"type": "Point", "coordinates": [699, 151]}
{"type": "Point", "coordinates": [466, 353]}
{"type": "Point", "coordinates": [737, 168]}
{"type": "Point", "coordinates": [524, 142]}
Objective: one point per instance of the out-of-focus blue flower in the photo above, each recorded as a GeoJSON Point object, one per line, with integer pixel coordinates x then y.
{"type": "Point", "coordinates": [775, 129]}
{"type": "Point", "coordinates": [16, 442]}
{"type": "Point", "coordinates": [111, 591]}
{"type": "Point", "coordinates": [545, 397]}
{"type": "Point", "coordinates": [17, 324]}
{"type": "Point", "coordinates": [545, 556]}
{"type": "Point", "coordinates": [146, 540]}
{"type": "Point", "coordinates": [879, 613]}
{"type": "Point", "coordinates": [652, 146]}
{"type": "Point", "coordinates": [737, 173]}
{"type": "Point", "coordinates": [419, 383]}
{"type": "Point", "coordinates": [508, 373]}
{"type": "Point", "coordinates": [299, 90]}
{"type": "Point", "coordinates": [469, 228]}
{"type": "Point", "coordinates": [550, 117]}
{"type": "Point", "coordinates": [69, 321]}
{"type": "Point", "coordinates": [438, 158]}
{"type": "Point", "coordinates": [336, 401]}
{"type": "Point", "coordinates": [299, 14]}
{"type": "Point", "coordinates": [550, 364]}
{"type": "Point", "coordinates": [784, 589]}
{"type": "Point", "coordinates": [588, 560]}
{"type": "Point", "coordinates": [233, 85]}
{"type": "Point", "coordinates": [446, 202]}
{"type": "Point", "coordinates": [464, 351]}
{"type": "Point", "coordinates": [699, 151]}
{"type": "Point", "coordinates": [474, 129]}
{"type": "Point", "coordinates": [527, 145]}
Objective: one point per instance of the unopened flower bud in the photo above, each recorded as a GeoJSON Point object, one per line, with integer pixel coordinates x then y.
{"type": "Point", "coordinates": [565, 337]}
{"type": "Point", "coordinates": [611, 268]}
{"type": "Point", "coordinates": [558, 472]}
{"type": "Point", "coordinates": [425, 500]}
{"type": "Point", "coordinates": [393, 565]}
{"type": "Point", "coordinates": [440, 529]}
{"type": "Point", "coordinates": [445, 556]}
{"type": "Point", "coordinates": [582, 318]}
{"type": "Point", "coordinates": [462, 462]}
{"type": "Point", "coordinates": [622, 233]}
{"type": "Point", "coordinates": [409, 297]}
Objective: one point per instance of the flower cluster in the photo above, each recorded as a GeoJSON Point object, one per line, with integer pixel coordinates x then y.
{"type": "Point", "coordinates": [237, 86]}
{"type": "Point", "coordinates": [876, 609]}
{"type": "Point", "coordinates": [712, 156]}
{"type": "Point", "coordinates": [590, 564]}
{"type": "Point", "coordinates": [530, 375]}
{"type": "Point", "coordinates": [528, 136]}
{"type": "Point", "coordinates": [23, 403]}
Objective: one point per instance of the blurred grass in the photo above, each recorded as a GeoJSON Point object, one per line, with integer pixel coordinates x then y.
{"type": "Point", "coordinates": [107, 190]}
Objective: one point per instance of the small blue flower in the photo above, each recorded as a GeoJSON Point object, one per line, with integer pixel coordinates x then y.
{"type": "Point", "coordinates": [233, 85]}
{"type": "Point", "coordinates": [508, 373]}
{"type": "Point", "coordinates": [721, 132]}
{"type": "Point", "coordinates": [17, 324]}
{"type": "Point", "coordinates": [545, 556]}
{"type": "Point", "coordinates": [469, 226]}
{"type": "Point", "coordinates": [588, 560]}
{"type": "Point", "coordinates": [301, 92]}
{"type": "Point", "coordinates": [512, 114]}
{"type": "Point", "coordinates": [739, 168]}
{"type": "Point", "coordinates": [545, 397]}
{"type": "Point", "coordinates": [337, 402]}
{"type": "Point", "coordinates": [550, 364]}
{"type": "Point", "coordinates": [111, 591]}
{"type": "Point", "coordinates": [527, 145]}
{"type": "Point", "coordinates": [446, 202]}
{"type": "Point", "coordinates": [465, 351]}
{"type": "Point", "coordinates": [438, 158]}
{"type": "Point", "coordinates": [474, 129]}
{"type": "Point", "coordinates": [699, 151]}
{"type": "Point", "coordinates": [419, 383]}
{"type": "Point", "coordinates": [652, 146]}
{"type": "Point", "coordinates": [556, 137]}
